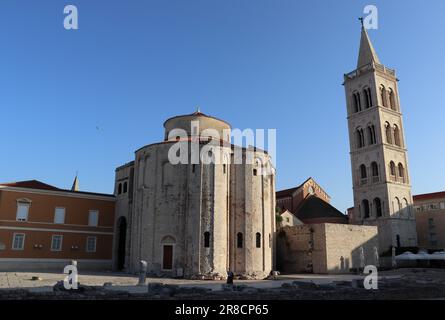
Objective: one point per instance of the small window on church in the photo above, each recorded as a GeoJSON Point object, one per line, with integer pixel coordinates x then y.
{"type": "Point", "coordinates": [125, 187]}
{"type": "Point", "coordinates": [239, 240]}
{"type": "Point", "coordinates": [193, 168]}
{"type": "Point", "coordinates": [255, 172]}
{"type": "Point", "coordinates": [119, 188]}
{"type": "Point", "coordinates": [258, 240]}
{"type": "Point", "coordinates": [224, 168]}
{"type": "Point", "coordinates": [206, 239]}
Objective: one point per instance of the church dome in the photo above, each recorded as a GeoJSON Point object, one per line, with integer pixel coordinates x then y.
{"type": "Point", "coordinates": [196, 124]}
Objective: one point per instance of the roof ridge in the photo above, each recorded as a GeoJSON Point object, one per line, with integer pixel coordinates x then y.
{"type": "Point", "coordinates": [437, 194]}
{"type": "Point", "coordinates": [315, 207]}
{"type": "Point", "coordinates": [302, 203]}
{"type": "Point", "coordinates": [28, 183]}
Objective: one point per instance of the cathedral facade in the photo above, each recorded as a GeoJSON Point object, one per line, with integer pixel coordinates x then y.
{"type": "Point", "coordinates": [196, 219]}
{"type": "Point", "coordinates": [381, 181]}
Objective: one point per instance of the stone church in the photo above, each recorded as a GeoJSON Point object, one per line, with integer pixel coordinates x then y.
{"type": "Point", "coordinates": [196, 220]}
{"type": "Point", "coordinates": [381, 182]}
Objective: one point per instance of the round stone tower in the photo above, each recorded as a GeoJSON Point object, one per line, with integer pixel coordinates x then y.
{"type": "Point", "coordinates": [184, 218]}
{"type": "Point", "coordinates": [196, 124]}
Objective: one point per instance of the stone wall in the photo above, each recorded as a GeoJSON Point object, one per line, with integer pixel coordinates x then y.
{"type": "Point", "coordinates": [177, 205]}
{"type": "Point", "coordinates": [325, 248]}
{"type": "Point", "coordinates": [123, 209]}
{"type": "Point", "coordinates": [343, 243]}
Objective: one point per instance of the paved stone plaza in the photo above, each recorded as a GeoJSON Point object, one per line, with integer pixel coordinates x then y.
{"type": "Point", "coordinates": [393, 284]}
{"type": "Point", "coordinates": [122, 281]}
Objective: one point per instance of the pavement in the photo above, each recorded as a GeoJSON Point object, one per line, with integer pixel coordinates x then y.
{"type": "Point", "coordinates": [404, 283]}
{"type": "Point", "coordinates": [126, 282]}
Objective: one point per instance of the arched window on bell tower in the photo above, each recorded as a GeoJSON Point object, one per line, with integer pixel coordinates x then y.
{"type": "Point", "coordinates": [371, 135]}
{"type": "Point", "coordinates": [383, 96]}
{"type": "Point", "coordinates": [365, 207]}
{"type": "Point", "coordinates": [363, 174]}
{"type": "Point", "coordinates": [392, 170]}
{"type": "Point", "coordinates": [397, 205]}
{"type": "Point", "coordinates": [378, 207]}
{"type": "Point", "coordinates": [360, 136]}
{"type": "Point", "coordinates": [392, 100]}
{"type": "Point", "coordinates": [388, 133]}
{"type": "Point", "coordinates": [119, 188]}
{"type": "Point", "coordinates": [397, 140]}
{"type": "Point", "coordinates": [368, 98]}
{"type": "Point", "coordinates": [375, 172]}
{"type": "Point", "coordinates": [401, 173]}
{"type": "Point", "coordinates": [356, 102]}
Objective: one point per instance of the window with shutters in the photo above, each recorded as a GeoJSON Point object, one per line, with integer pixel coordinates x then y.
{"type": "Point", "coordinates": [93, 218]}
{"type": "Point", "coordinates": [59, 216]}
{"type": "Point", "coordinates": [23, 210]}
{"type": "Point", "coordinates": [56, 243]}
{"type": "Point", "coordinates": [91, 244]}
{"type": "Point", "coordinates": [18, 241]}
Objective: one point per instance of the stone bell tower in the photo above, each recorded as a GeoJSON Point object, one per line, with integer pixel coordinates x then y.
{"type": "Point", "coordinates": [381, 182]}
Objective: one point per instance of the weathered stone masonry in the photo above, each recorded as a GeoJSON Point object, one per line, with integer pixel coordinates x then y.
{"type": "Point", "coordinates": [197, 220]}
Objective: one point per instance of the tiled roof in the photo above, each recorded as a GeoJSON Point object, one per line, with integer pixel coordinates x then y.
{"type": "Point", "coordinates": [38, 185]}
{"type": "Point", "coordinates": [285, 193]}
{"type": "Point", "coordinates": [288, 192]}
{"type": "Point", "coordinates": [429, 196]}
{"type": "Point", "coordinates": [314, 207]}
{"type": "Point", "coordinates": [30, 184]}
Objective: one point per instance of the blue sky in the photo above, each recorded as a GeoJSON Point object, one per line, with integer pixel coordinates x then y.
{"type": "Point", "coordinates": [87, 99]}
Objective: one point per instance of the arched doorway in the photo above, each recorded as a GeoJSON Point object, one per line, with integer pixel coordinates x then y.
{"type": "Point", "coordinates": [121, 234]}
{"type": "Point", "coordinates": [168, 243]}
